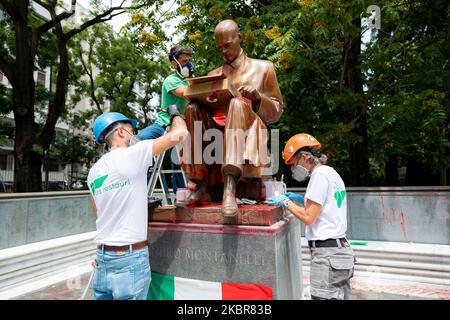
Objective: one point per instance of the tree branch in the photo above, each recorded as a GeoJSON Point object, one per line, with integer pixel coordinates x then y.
{"type": "Point", "coordinates": [115, 83]}
{"type": "Point", "coordinates": [42, 3]}
{"type": "Point", "coordinates": [144, 104]}
{"type": "Point", "coordinates": [7, 70]}
{"type": "Point", "coordinates": [10, 9]}
{"type": "Point", "coordinates": [318, 68]}
{"type": "Point", "coordinates": [299, 97]}
{"type": "Point", "coordinates": [91, 78]}
{"type": "Point", "coordinates": [105, 16]}
{"type": "Point", "coordinates": [55, 20]}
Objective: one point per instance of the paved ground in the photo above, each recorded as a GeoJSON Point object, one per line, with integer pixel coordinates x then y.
{"type": "Point", "coordinates": [73, 290]}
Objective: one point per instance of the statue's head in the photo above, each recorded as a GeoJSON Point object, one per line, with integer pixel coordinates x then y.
{"type": "Point", "coordinates": [228, 39]}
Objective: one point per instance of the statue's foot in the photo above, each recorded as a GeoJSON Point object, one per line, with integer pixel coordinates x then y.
{"type": "Point", "coordinates": [199, 194]}
{"type": "Point", "coordinates": [229, 204]}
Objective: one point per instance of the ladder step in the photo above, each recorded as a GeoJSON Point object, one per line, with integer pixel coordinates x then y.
{"type": "Point", "coordinates": [170, 171]}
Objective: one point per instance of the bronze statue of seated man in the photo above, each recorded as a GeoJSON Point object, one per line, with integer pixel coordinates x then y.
{"type": "Point", "coordinates": [259, 102]}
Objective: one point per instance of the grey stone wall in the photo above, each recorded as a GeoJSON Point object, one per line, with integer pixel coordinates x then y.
{"type": "Point", "coordinates": [414, 214]}
{"type": "Point", "coordinates": [402, 214]}
{"type": "Point", "coordinates": [31, 218]}
{"type": "Point", "coordinates": [421, 216]}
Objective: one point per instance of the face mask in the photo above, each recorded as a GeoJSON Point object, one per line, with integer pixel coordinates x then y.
{"type": "Point", "coordinates": [300, 173]}
{"type": "Point", "coordinates": [185, 70]}
{"type": "Point", "coordinates": [134, 138]}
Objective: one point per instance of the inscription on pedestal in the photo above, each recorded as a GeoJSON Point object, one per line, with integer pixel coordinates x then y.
{"type": "Point", "coordinates": [207, 256]}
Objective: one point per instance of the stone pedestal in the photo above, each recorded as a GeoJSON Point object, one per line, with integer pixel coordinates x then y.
{"type": "Point", "coordinates": [266, 255]}
{"type": "Point", "coordinates": [256, 215]}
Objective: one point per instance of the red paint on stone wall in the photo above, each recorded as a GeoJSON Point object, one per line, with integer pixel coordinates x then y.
{"type": "Point", "coordinates": [385, 218]}
{"type": "Point", "coordinates": [402, 223]}
{"type": "Point", "coordinates": [378, 229]}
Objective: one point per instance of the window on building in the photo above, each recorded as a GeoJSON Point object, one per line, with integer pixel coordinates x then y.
{"type": "Point", "coordinates": [3, 161]}
{"type": "Point", "coordinates": [41, 77]}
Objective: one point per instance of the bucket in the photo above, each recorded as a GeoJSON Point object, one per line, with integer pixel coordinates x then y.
{"type": "Point", "coordinates": [274, 188]}
{"type": "Point", "coordinates": [182, 194]}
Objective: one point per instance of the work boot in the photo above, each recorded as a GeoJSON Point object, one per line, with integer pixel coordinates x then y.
{"type": "Point", "coordinates": [229, 204]}
{"type": "Point", "coordinates": [199, 194]}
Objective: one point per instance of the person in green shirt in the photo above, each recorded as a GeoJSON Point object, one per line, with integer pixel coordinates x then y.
{"type": "Point", "coordinates": [172, 92]}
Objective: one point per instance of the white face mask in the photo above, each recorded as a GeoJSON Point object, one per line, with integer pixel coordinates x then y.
{"type": "Point", "coordinates": [300, 173]}
{"type": "Point", "coordinates": [185, 70]}
{"type": "Point", "coordinates": [134, 138]}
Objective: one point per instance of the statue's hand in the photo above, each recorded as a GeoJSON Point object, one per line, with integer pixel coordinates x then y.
{"type": "Point", "coordinates": [250, 93]}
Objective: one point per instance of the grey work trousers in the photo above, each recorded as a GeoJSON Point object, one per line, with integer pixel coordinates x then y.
{"type": "Point", "coordinates": [330, 272]}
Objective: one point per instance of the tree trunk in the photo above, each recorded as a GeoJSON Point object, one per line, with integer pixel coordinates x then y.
{"type": "Point", "coordinates": [352, 80]}
{"type": "Point", "coordinates": [27, 163]}
{"type": "Point", "coordinates": [391, 170]}
{"type": "Point", "coordinates": [418, 174]}
{"type": "Point", "coordinates": [414, 173]}
{"type": "Point", "coordinates": [27, 173]}
{"type": "Point", "coordinates": [444, 167]}
{"type": "Point", "coordinates": [57, 105]}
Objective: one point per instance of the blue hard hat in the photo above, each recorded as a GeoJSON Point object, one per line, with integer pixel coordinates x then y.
{"type": "Point", "coordinates": [105, 120]}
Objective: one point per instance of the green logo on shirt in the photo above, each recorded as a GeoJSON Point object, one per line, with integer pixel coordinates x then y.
{"type": "Point", "coordinates": [98, 183]}
{"type": "Point", "coordinates": [339, 196]}
{"type": "Point", "coordinates": [98, 188]}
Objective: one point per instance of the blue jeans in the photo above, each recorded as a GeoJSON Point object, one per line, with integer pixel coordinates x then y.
{"type": "Point", "coordinates": [155, 131]}
{"type": "Point", "coordinates": [121, 275]}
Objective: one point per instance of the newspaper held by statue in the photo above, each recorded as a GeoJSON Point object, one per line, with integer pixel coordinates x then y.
{"type": "Point", "coordinates": [215, 91]}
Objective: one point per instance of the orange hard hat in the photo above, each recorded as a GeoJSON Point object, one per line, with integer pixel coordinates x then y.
{"type": "Point", "coordinates": [297, 142]}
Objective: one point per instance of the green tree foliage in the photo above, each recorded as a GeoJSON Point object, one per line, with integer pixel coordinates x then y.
{"type": "Point", "coordinates": [408, 86]}
{"type": "Point", "coordinates": [26, 37]}
{"type": "Point", "coordinates": [6, 128]}
{"type": "Point", "coordinates": [305, 40]}
{"type": "Point", "coordinates": [73, 149]}
{"type": "Point", "coordinates": [351, 101]}
{"type": "Point", "coordinates": [117, 71]}
{"type": "Point", "coordinates": [382, 114]}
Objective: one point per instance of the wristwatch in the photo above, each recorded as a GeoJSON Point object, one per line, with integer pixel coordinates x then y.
{"type": "Point", "coordinates": [287, 202]}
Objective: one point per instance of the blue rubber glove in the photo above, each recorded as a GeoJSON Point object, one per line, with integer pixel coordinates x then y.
{"type": "Point", "coordinates": [294, 197]}
{"type": "Point", "coordinates": [277, 200]}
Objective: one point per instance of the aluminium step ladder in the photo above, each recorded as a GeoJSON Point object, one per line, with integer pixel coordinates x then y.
{"type": "Point", "coordinates": [158, 174]}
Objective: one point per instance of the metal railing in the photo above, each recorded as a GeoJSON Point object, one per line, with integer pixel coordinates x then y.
{"type": "Point", "coordinates": [57, 180]}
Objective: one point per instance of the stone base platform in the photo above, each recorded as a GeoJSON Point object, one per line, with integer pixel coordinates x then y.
{"type": "Point", "coordinates": [257, 215]}
{"type": "Point", "coordinates": [263, 255]}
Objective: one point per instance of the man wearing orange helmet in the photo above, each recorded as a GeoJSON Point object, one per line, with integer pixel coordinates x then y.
{"type": "Point", "coordinates": [325, 215]}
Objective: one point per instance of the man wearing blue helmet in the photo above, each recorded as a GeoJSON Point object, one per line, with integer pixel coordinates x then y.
{"type": "Point", "coordinates": [118, 186]}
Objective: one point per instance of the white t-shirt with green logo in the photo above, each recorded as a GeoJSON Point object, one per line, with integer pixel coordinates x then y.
{"type": "Point", "coordinates": [118, 184]}
{"type": "Point", "coordinates": [327, 189]}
